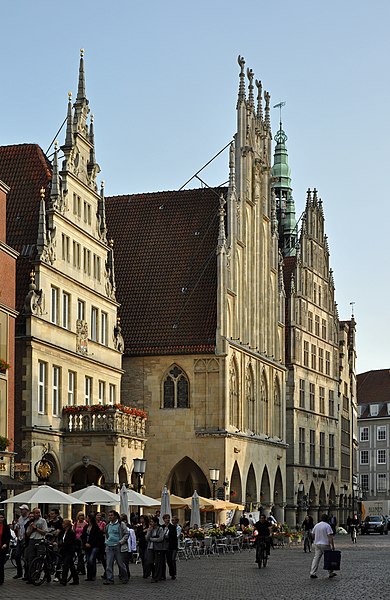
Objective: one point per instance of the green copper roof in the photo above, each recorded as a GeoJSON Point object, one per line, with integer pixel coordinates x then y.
{"type": "Point", "coordinates": [280, 171]}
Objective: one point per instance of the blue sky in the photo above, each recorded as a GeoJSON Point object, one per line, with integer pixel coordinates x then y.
{"type": "Point", "coordinates": [162, 80]}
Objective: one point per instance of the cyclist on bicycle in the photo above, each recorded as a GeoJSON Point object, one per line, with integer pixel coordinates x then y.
{"type": "Point", "coordinates": [264, 532]}
{"type": "Point", "coordinates": [307, 527]}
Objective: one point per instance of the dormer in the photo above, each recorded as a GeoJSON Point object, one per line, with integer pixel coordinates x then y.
{"type": "Point", "coordinates": [374, 410]}
{"type": "Point", "coordinates": [361, 409]}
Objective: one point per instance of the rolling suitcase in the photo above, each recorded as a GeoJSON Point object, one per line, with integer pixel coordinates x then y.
{"type": "Point", "coordinates": [332, 560]}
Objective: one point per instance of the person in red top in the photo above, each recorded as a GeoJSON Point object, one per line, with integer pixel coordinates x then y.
{"type": "Point", "coordinates": [5, 537]}
{"type": "Point", "coordinates": [78, 527]}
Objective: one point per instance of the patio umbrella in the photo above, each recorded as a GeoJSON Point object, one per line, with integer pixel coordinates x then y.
{"type": "Point", "coordinates": [176, 502]}
{"type": "Point", "coordinates": [226, 505]}
{"type": "Point", "coordinates": [205, 504]}
{"type": "Point", "coordinates": [165, 503]}
{"type": "Point", "coordinates": [93, 494]}
{"type": "Point", "coordinates": [136, 499]}
{"type": "Point", "coordinates": [42, 494]}
{"type": "Point", "coordinates": [195, 510]}
{"type": "Point", "coordinates": [124, 501]}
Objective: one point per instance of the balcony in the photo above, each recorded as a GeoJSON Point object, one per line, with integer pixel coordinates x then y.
{"type": "Point", "coordinates": [104, 419]}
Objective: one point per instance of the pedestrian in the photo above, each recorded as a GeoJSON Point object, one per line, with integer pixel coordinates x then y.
{"type": "Point", "coordinates": [5, 538]}
{"type": "Point", "coordinates": [155, 539]}
{"type": "Point", "coordinates": [78, 528]}
{"type": "Point", "coordinates": [92, 539]}
{"type": "Point", "coordinates": [307, 527]}
{"type": "Point", "coordinates": [36, 531]}
{"type": "Point", "coordinates": [140, 533]}
{"type": "Point", "coordinates": [116, 543]}
{"type": "Point", "coordinates": [20, 530]}
{"type": "Point", "coordinates": [170, 546]}
{"type": "Point", "coordinates": [323, 540]}
{"type": "Point", "coordinates": [333, 523]}
{"type": "Point", "coordinates": [67, 547]}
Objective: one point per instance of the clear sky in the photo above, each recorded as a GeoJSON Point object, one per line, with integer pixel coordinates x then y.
{"type": "Point", "coordinates": [162, 80]}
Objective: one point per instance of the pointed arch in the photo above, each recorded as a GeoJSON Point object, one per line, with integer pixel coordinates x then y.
{"type": "Point", "coordinates": [332, 497]}
{"type": "Point", "coordinates": [312, 494]}
{"type": "Point", "coordinates": [278, 496]}
{"type": "Point", "coordinates": [235, 484]}
{"type": "Point", "coordinates": [250, 399]}
{"type": "Point", "coordinates": [175, 388]}
{"type": "Point", "coordinates": [265, 488]}
{"type": "Point", "coordinates": [322, 497]}
{"type": "Point", "coordinates": [234, 394]}
{"type": "Point", "coordinates": [264, 412]}
{"type": "Point", "coordinates": [251, 496]}
{"type": "Point", "coordinates": [277, 420]}
{"type": "Point", "coordinates": [186, 477]}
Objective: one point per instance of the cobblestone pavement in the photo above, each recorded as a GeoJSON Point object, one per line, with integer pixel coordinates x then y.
{"type": "Point", "coordinates": [364, 574]}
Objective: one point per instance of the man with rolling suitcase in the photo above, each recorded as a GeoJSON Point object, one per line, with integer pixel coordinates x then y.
{"type": "Point", "coordinates": [323, 541]}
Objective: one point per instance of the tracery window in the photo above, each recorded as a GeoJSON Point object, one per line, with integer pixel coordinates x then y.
{"type": "Point", "coordinates": [250, 399]}
{"type": "Point", "coordinates": [234, 395]}
{"type": "Point", "coordinates": [176, 389]}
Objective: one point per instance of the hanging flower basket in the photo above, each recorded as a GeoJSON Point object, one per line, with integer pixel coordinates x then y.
{"type": "Point", "coordinates": [4, 365]}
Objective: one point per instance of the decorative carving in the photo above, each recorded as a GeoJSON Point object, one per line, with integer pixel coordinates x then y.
{"type": "Point", "coordinates": [81, 337]}
{"type": "Point", "coordinates": [118, 337]}
{"type": "Point", "coordinates": [33, 304]}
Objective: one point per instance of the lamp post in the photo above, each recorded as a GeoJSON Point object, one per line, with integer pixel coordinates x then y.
{"type": "Point", "coordinates": [214, 477]}
{"type": "Point", "coordinates": [139, 470]}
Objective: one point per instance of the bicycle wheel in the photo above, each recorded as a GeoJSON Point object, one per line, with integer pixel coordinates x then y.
{"type": "Point", "coordinates": [12, 557]}
{"type": "Point", "coordinates": [37, 570]}
{"type": "Point", "coordinates": [265, 557]}
{"type": "Point", "coordinates": [259, 557]}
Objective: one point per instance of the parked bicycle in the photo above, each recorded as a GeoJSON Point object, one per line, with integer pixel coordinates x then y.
{"type": "Point", "coordinates": [261, 552]}
{"type": "Point", "coordinates": [47, 564]}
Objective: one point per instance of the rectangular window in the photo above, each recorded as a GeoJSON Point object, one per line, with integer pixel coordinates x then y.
{"type": "Point", "coordinates": [312, 399]}
{"type": "Point", "coordinates": [96, 267]}
{"type": "Point", "coordinates": [302, 393]}
{"type": "Point", "coordinates": [364, 457]}
{"type": "Point", "coordinates": [312, 447]}
{"type": "Point", "coordinates": [102, 392]}
{"type": "Point", "coordinates": [112, 390]}
{"type": "Point", "coordinates": [54, 305]}
{"type": "Point", "coordinates": [71, 388]}
{"type": "Point", "coordinates": [310, 321]}
{"type": "Point", "coordinates": [364, 482]}
{"type": "Point", "coordinates": [381, 432]}
{"type": "Point", "coordinates": [301, 446]}
{"type": "Point", "coordinates": [364, 434]}
{"type": "Point", "coordinates": [381, 457]}
{"type": "Point", "coordinates": [65, 310]}
{"type": "Point", "coordinates": [381, 482]}
{"type": "Point", "coordinates": [306, 354]}
{"type": "Point", "coordinates": [327, 363]}
{"type": "Point", "coordinates": [88, 390]}
{"type": "Point", "coordinates": [76, 255]}
{"type": "Point", "coordinates": [85, 212]}
{"type": "Point", "coordinates": [94, 324]}
{"type": "Point", "coordinates": [322, 399]}
{"type": "Point", "coordinates": [313, 356]}
{"type": "Point", "coordinates": [323, 329]}
{"type": "Point", "coordinates": [77, 205]}
{"type": "Point", "coordinates": [322, 449]}
{"type": "Point", "coordinates": [317, 325]}
{"type": "Point", "coordinates": [65, 247]}
{"type": "Point", "coordinates": [80, 310]}
{"type": "Point", "coordinates": [56, 391]}
{"type": "Point", "coordinates": [103, 329]}
{"type": "Point", "coordinates": [331, 403]}
{"type": "Point", "coordinates": [87, 261]}
{"type": "Point", "coordinates": [42, 369]}
{"type": "Point", "coordinates": [320, 360]}
{"type": "Point", "coordinates": [331, 449]}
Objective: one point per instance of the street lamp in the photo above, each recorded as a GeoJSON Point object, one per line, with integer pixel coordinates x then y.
{"type": "Point", "coordinates": [214, 477]}
{"type": "Point", "coordinates": [139, 470]}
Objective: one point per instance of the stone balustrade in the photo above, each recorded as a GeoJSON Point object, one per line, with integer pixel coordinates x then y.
{"type": "Point", "coordinates": [110, 421]}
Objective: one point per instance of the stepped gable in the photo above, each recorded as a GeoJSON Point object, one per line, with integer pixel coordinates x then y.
{"type": "Point", "coordinates": [373, 387]}
{"type": "Point", "coordinates": [25, 169]}
{"type": "Point", "coordinates": [166, 269]}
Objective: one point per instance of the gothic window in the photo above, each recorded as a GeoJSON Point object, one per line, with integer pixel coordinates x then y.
{"type": "Point", "coordinates": [277, 412]}
{"type": "Point", "coordinates": [176, 389]}
{"type": "Point", "coordinates": [250, 400]}
{"type": "Point", "coordinates": [234, 395]}
{"type": "Point", "coordinates": [264, 406]}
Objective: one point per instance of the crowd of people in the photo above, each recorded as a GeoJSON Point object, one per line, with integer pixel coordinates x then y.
{"type": "Point", "coordinates": [81, 543]}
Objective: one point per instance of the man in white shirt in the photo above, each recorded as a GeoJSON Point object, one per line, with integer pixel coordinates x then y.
{"type": "Point", "coordinates": [323, 540]}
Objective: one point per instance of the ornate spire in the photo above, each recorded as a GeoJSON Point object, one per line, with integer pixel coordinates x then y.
{"type": "Point", "coordinates": [308, 197]}
{"type": "Point", "coordinates": [232, 176]}
{"type": "Point", "coordinates": [42, 235]}
{"type": "Point", "coordinates": [267, 98]}
{"type": "Point", "coordinates": [93, 167]}
{"type": "Point", "coordinates": [221, 233]}
{"type": "Point", "coordinates": [259, 99]}
{"type": "Point", "coordinates": [55, 192]}
{"type": "Point", "coordinates": [102, 214]}
{"type": "Point", "coordinates": [81, 97]}
{"type": "Point", "coordinates": [315, 197]}
{"type": "Point", "coordinates": [81, 104]}
{"type": "Point", "coordinates": [69, 125]}
{"type": "Point", "coordinates": [241, 89]}
{"type": "Point", "coordinates": [251, 98]}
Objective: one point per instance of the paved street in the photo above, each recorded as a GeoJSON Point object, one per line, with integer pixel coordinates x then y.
{"type": "Point", "coordinates": [364, 574]}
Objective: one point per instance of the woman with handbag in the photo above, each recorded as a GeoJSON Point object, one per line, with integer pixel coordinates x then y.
{"type": "Point", "coordinates": [155, 540]}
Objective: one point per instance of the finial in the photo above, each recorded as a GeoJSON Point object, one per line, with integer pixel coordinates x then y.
{"type": "Point", "coordinates": [111, 242]}
{"type": "Point", "coordinates": [55, 145]}
{"type": "Point", "coordinates": [241, 89]}
{"type": "Point", "coordinates": [42, 192]}
{"type": "Point", "coordinates": [69, 96]}
{"type": "Point", "coordinates": [32, 276]}
{"type": "Point", "coordinates": [102, 184]}
{"type": "Point", "coordinates": [352, 304]}
{"type": "Point", "coordinates": [81, 52]}
{"type": "Point", "coordinates": [259, 86]}
{"type": "Point", "coordinates": [267, 98]}
{"type": "Point", "coordinates": [250, 75]}
{"type": "Point", "coordinates": [118, 321]}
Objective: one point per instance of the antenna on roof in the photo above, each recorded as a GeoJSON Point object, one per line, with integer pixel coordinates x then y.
{"type": "Point", "coordinates": [280, 106]}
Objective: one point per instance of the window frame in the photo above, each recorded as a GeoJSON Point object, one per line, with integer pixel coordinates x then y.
{"type": "Point", "coordinates": [364, 428]}
{"type": "Point", "coordinates": [55, 387]}
{"type": "Point", "coordinates": [364, 453]}
{"type": "Point", "coordinates": [42, 387]}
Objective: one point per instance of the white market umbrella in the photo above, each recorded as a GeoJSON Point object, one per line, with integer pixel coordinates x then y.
{"type": "Point", "coordinates": [42, 494]}
{"type": "Point", "coordinates": [165, 503]}
{"type": "Point", "coordinates": [124, 501]}
{"type": "Point", "coordinates": [136, 499]}
{"type": "Point", "coordinates": [176, 502]}
{"type": "Point", "coordinates": [195, 510]}
{"type": "Point", "coordinates": [93, 494]}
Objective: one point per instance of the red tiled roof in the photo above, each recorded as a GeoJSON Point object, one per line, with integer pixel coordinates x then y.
{"type": "Point", "coordinates": [373, 387]}
{"type": "Point", "coordinates": [166, 269]}
{"type": "Point", "coordinates": [25, 169]}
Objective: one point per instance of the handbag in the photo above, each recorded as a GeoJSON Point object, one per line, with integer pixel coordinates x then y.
{"type": "Point", "coordinates": [332, 560]}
